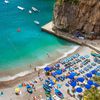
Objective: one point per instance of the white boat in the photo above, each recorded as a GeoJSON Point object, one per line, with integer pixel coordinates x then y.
{"type": "Point", "coordinates": [34, 9]}
{"type": "Point", "coordinates": [30, 11]}
{"type": "Point", "coordinates": [36, 22]}
{"type": "Point", "coordinates": [6, 1]}
{"type": "Point", "coordinates": [21, 8]}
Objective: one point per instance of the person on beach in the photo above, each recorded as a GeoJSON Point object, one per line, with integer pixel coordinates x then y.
{"type": "Point", "coordinates": [33, 87]}
{"type": "Point", "coordinates": [34, 98]}
{"type": "Point", "coordinates": [30, 66]}
{"type": "Point", "coordinates": [48, 55]}
{"type": "Point", "coordinates": [38, 73]}
{"type": "Point", "coordinates": [39, 76]}
{"type": "Point", "coordinates": [35, 69]}
{"type": "Point", "coordinates": [1, 93]}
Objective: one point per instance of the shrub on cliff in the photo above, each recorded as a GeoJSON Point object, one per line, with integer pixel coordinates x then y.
{"type": "Point", "coordinates": [69, 1]}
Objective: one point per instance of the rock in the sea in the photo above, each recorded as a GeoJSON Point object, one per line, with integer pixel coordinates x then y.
{"type": "Point", "coordinates": [84, 16]}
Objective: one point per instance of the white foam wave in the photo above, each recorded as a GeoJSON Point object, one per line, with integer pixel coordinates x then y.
{"type": "Point", "coordinates": [8, 78]}
{"type": "Point", "coordinates": [65, 54]}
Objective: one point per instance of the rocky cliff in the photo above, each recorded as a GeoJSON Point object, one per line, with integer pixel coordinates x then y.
{"type": "Point", "coordinates": [83, 16]}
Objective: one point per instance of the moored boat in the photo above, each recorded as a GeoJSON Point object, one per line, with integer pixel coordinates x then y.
{"type": "Point", "coordinates": [35, 9]}
{"type": "Point", "coordinates": [59, 94]}
{"type": "Point", "coordinates": [36, 22]}
{"type": "Point", "coordinates": [6, 1]}
{"type": "Point", "coordinates": [21, 8]}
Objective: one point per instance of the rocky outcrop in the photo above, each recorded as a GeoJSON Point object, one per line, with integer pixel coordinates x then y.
{"type": "Point", "coordinates": [84, 16]}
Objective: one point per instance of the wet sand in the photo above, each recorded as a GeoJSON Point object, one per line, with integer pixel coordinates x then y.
{"type": "Point", "coordinates": [33, 73]}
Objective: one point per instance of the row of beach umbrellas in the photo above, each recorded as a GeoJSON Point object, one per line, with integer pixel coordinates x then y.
{"type": "Point", "coordinates": [73, 83]}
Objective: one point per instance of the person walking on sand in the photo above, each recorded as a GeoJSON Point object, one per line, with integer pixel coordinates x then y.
{"type": "Point", "coordinates": [35, 70]}
{"type": "Point", "coordinates": [38, 73]}
{"type": "Point", "coordinates": [48, 55]}
{"type": "Point", "coordinates": [34, 98]}
{"type": "Point", "coordinates": [33, 87]}
{"type": "Point", "coordinates": [30, 66]}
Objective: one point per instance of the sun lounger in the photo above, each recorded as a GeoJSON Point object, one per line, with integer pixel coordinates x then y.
{"type": "Point", "coordinates": [57, 79]}
{"type": "Point", "coordinates": [85, 69]}
{"type": "Point", "coordinates": [86, 56]}
{"type": "Point", "coordinates": [67, 84]}
{"type": "Point", "coordinates": [81, 57]}
{"type": "Point", "coordinates": [81, 71]}
{"type": "Point", "coordinates": [93, 64]}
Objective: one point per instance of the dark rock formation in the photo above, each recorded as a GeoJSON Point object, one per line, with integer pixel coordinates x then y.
{"type": "Point", "coordinates": [84, 16]}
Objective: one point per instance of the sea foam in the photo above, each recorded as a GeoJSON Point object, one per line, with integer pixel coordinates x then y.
{"type": "Point", "coordinates": [21, 74]}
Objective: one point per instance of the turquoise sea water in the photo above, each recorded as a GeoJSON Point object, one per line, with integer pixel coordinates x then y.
{"type": "Point", "coordinates": [31, 44]}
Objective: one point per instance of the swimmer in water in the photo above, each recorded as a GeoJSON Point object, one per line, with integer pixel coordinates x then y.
{"type": "Point", "coordinates": [18, 30]}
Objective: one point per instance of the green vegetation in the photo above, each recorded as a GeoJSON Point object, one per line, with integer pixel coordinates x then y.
{"type": "Point", "coordinates": [96, 79]}
{"type": "Point", "coordinates": [69, 1]}
{"type": "Point", "coordinates": [92, 94]}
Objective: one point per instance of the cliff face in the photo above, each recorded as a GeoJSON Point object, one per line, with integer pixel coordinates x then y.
{"type": "Point", "coordinates": [84, 16]}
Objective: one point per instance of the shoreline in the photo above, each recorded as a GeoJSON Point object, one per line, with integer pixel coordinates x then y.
{"type": "Point", "coordinates": [30, 74]}
{"type": "Point", "coordinates": [49, 28]}
{"type": "Point", "coordinates": [10, 74]}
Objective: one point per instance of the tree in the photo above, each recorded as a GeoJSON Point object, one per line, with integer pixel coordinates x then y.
{"type": "Point", "coordinates": [92, 94]}
{"type": "Point", "coordinates": [96, 79]}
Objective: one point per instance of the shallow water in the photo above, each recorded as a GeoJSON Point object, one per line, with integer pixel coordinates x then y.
{"type": "Point", "coordinates": [30, 45]}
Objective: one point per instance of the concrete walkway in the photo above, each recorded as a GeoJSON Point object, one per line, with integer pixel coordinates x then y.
{"type": "Point", "coordinates": [95, 44]}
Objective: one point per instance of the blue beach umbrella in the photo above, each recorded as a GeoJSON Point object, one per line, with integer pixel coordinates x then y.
{"type": "Point", "coordinates": [73, 83]}
{"type": "Point", "coordinates": [87, 86]}
{"type": "Point", "coordinates": [71, 77]}
{"type": "Point", "coordinates": [73, 74]}
{"type": "Point", "coordinates": [54, 74]}
{"type": "Point", "coordinates": [89, 75]}
{"type": "Point", "coordinates": [96, 85]}
{"type": "Point", "coordinates": [80, 79]}
{"type": "Point", "coordinates": [59, 72]}
{"type": "Point", "coordinates": [47, 68]}
{"type": "Point", "coordinates": [90, 82]}
{"type": "Point", "coordinates": [93, 71]}
{"type": "Point", "coordinates": [79, 89]}
{"type": "Point", "coordinates": [51, 82]}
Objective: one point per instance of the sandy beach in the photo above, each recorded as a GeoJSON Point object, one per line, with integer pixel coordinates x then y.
{"type": "Point", "coordinates": [8, 87]}
{"type": "Point", "coordinates": [55, 60]}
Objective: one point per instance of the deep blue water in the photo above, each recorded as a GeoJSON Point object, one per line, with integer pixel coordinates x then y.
{"type": "Point", "coordinates": [31, 44]}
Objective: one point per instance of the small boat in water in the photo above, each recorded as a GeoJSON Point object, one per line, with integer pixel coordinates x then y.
{"type": "Point", "coordinates": [18, 30]}
{"type": "Point", "coordinates": [36, 22]}
{"type": "Point", "coordinates": [6, 1]}
{"type": "Point", "coordinates": [35, 9]}
{"type": "Point", "coordinates": [21, 8]}
{"type": "Point", "coordinates": [30, 11]}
